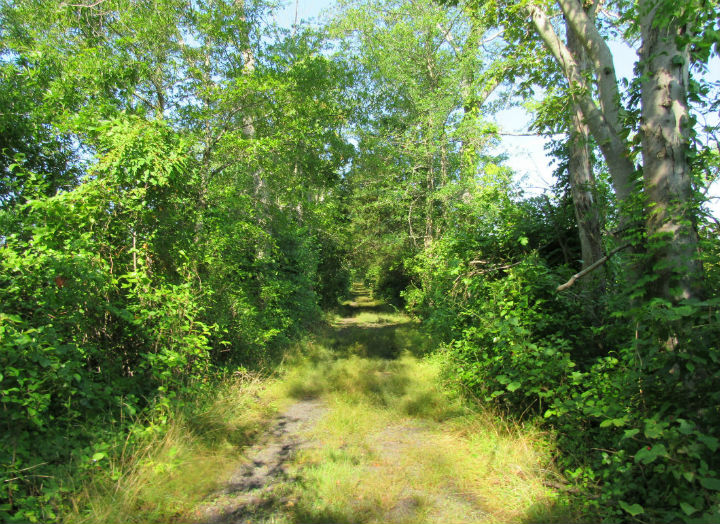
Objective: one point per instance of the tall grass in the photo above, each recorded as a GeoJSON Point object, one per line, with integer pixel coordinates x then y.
{"type": "Point", "coordinates": [396, 443]}
{"type": "Point", "coordinates": [166, 472]}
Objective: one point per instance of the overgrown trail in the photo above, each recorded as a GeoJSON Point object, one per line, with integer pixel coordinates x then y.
{"type": "Point", "coordinates": [368, 433]}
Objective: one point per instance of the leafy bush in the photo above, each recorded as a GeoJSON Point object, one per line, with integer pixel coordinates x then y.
{"type": "Point", "coordinates": [629, 385]}
{"type": "Point", "coordinates": [645, 417]}
{"type": "Point", "coordinates": [640, 422]}
{"type": "Point", "coordinates": [124, 293]}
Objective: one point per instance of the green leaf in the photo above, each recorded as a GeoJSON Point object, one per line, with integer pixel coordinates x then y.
{"type": "Point", "coordinates": [98, 456]}
{"type": "Point", "coordinates": [687, 508]}
{"type": "Point", "coordinates": [633, 509]}
{"type": "Point", "coordinates": [630, 433]}
{"type": "Point", "coordinates": [711, 442]}
{"type": "Point", "coordinates": [650, 454]}
{"type": "Point", "coordinates": [513, 385]}
{"type": "Point", "coordinates": [617, 422]}
{"type": "Point", "coordinates": [710, 483]}
{"type": "Point", "coordinates": [685, 427]}
{"type": "Point", "coordinates": [678, 60]}
{"type": "Point", "coordinates": [654, 429]}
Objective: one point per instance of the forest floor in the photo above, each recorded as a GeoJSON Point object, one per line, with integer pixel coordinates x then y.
{"type": "Point", "coordinates": [369, 433]}
{"type": "Point", "coordinates": [358, 426]}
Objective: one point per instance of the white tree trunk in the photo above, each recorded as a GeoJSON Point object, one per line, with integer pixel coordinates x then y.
{"type": "Point", "coordinates": [672, 237]}
{"type": "Point", "coordinates": [582, 181]}
{"type": "Point", "coordinates": [604, 120]}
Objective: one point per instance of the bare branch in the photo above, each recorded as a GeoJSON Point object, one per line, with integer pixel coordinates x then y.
{"type": "Point", "coordinates": [493, 37]}
{"type": "Point", "coordinates": [590, 268]}
{"type": "Point", "coordinates": [512, 133]}
{"type": "Point", "coordinates": [449, 39]}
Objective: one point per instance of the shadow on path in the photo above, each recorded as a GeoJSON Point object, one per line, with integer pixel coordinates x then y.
{"type": "Point", "coordinates": [370, 328]}
{"type": "Point", "coordinates": [375, 436]}
{"type": "Point", "coordinates": [250, 494]}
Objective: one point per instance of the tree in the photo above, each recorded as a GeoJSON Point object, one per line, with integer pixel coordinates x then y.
{"type": "Point", "coordinates": [665, 129]}
{"type": "Point", "coordinates": [421, 137]}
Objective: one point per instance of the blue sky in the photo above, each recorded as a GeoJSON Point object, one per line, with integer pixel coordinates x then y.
{"type": "Point", "coordinates": [307, 9]}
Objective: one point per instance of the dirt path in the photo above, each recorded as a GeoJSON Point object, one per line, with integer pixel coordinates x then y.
{"type": "Point", "coordinates": [251, 491]}
{"type": "Point", "coordinates": [372, 435]}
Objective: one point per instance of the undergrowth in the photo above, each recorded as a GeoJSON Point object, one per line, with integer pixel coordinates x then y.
{"type": "Point", "coordinates": [165, 469]}
{"type": "Point", "coordinates": [397, 443]}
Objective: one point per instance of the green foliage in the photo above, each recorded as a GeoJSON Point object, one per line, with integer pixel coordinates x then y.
{"type": "Point", "coordinates": [511, 350]}
{"type": "Point", "coordinates": [136, 262]}
{"type": "Point", "coordinates": [88, 324]}
{"type": "Point", "coordinates": [628, 385]}
{"type": "Point", "coordinates": [179, 195]}
{"type": "Point", "coordinates": [628, 382]}
{"type": "Point", "coordinates": [637, 420]}
{"type": "Point", "coordinates": [637, 423]}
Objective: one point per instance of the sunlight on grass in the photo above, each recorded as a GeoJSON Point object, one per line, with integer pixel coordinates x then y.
{"type": "Point", "coordinates": [397, 447]}
{"type": "Point", "coordinates": [396, 444]}
{"type": "Point", "coordinates": [170, 473]}
{"type": "Point", "coordinates": [370, 318]}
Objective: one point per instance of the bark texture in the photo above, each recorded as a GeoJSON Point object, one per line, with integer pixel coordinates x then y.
{"type": "Point", "coordinates": [603, 120]}
{"type": "Point", "coordinates": [672, 237]}
{"type": "Point", "coordinates": [582, 181]}
{"type": "Point", "coordinates": [673, 240]}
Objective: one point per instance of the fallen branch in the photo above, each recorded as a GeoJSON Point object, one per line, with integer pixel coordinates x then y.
{"type": "Point", "coordinates": [489, 269]}
{"type": "Point", "coordinates": [590, 268]}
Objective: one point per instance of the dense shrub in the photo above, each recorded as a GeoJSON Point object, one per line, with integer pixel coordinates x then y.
{"type": "Point", "coordinates": [115, 297]}
{"type": "Point", "coordinates": [637, 425]}
{"type": "Point", "coordinates": [627, 383]}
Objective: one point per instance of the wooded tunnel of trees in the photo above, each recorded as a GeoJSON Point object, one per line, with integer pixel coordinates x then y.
{"type": "Point", "coordinates": [185, 186]}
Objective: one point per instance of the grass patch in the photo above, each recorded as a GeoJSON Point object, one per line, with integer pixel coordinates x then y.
{"type": "Point", "coordinates": [396, 444]}
{"type": "Point", "coordinates": [171, 468]}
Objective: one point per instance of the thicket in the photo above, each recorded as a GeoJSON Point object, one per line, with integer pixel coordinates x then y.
{"type": "Point", "coordinates": [169, 183]}
{"type": "Point", "coordinates": [184, 186]}
{"type": "Point", "coordinates": [629, 386]}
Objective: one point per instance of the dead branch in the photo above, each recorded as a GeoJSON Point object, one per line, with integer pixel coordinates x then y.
{"type": "Point", "coordinates": [489, 269]}
{"type": "Point", "coordinates": [590, 268]}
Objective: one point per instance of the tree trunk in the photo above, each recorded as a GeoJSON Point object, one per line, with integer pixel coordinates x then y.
{"type": "Point", "coordinates": [603, 116]}
{"type": "Point", "coordinates": [603, 120]}
{"type": "Point", "coordinates": [582, 183]}
{"type": "Point", "coordinates": [672, 237]}
{"type": "Point", "coordinates": [429, 205]}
